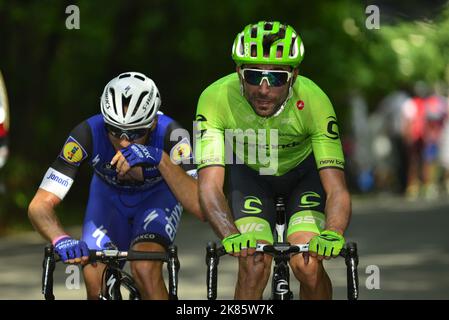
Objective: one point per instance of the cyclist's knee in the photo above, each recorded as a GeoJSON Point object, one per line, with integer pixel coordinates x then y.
{"type": "Point", "coordinates": [147, 271]}
{"type": "Point", "coordinates": [255, 268]}
{"type": "Point", "coordinates": [92, 280]}
{"type": "Point", "coordinates": [307, 273]}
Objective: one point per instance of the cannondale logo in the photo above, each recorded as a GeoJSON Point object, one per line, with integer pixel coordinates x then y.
{"type": "Point", "coordinates": [282, 287]}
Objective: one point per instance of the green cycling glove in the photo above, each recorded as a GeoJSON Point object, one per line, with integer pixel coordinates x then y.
{"type": "Point", "coordinates": [236, 242]}
{"type": "Point", "coordinates": [328, 243]}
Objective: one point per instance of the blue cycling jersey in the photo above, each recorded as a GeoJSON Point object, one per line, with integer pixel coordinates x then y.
{"type": "Point", "coordinates": [120, 211]}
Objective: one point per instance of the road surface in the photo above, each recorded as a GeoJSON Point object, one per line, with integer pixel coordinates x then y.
{"type": "Point", "coordinates": [406, 242]}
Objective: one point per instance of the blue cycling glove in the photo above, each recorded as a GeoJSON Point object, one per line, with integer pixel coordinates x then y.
{"type": "Point", "coordinates": [137, 154]}
{"type": "Point", "coordinates": [69, 248]}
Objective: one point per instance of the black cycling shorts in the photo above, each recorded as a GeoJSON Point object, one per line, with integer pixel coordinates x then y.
{"type": "Point", "coordinates": [252, 198]}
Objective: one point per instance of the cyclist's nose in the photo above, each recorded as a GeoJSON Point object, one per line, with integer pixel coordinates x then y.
{"type": "Point", "coordinates": [124, 142]}
{"type": "Point", "coordinates": [264, 88]}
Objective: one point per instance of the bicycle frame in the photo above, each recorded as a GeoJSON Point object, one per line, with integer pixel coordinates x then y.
{"type": "Point", "coordinates": [281, 251]}
{"type": "Point", "coordinates": [113, 275]}
{"type": "Point", "coordinates": [280, 283]}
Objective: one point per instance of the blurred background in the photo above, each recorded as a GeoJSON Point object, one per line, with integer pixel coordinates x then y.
{"type": "Point", "coordinates": [384, 65]}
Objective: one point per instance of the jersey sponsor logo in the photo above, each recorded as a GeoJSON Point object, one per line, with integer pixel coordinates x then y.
{"type": "Point", "coordinates": [53, 175]}
{"type": "Point", "coordinates": [199, 119]}
{"type": "Point", "coordinates": [150, 217]}
{"type": "Point", "coordinates": [73, 152]}
{"type": "Point", "coordinates": [307, 202]}
{"type": "Point", "coordinates": [95, 160]}
{"type": "Point", "coordinates": [332, 128]}
{"type": "Point", "coordinates": [173, 221]}
{"type": "Point", "coordinates": [307, 220]}
{"type": "Point", "coordinates": [181, 151]}
{"type": "Point", "coordinates": [251, 227]}
{"type": "Point", "coordinates": [300, 104]}
{"type": "Point", "coordinates": [193, 173]}
{"type": "Point", "coordinates": [270, 146]}
{"type": "Point", "coordinates": [210, 160]}
{"type": "Point", "coordinates": [99, 234]}
{"type": "Point", "coordinates": [332, 162]}
{"type": "Point", "coordinates": [56, 182]}
{"type": "Point", "coordinates": [248, 206]}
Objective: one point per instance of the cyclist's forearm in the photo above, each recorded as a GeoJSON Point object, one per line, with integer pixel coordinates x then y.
{"type": "Point", "coordinates": [183, 186]}
{"type": "Point", "coordinates": [217, 211]}
{"type": "Point", "coordinates": [338, 211]}
{"type": "Point", "coordinates": [43, 217]}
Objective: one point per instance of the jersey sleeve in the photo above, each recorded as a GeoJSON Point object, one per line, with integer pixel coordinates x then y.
{"type": "Point", "coordinates": [61, 174]}
{"type": "Point", "coordinates": [177, 146]}
{"type": "Point", "coordinates": [209, 130]}
{"type": "Point", "coordinates": [324, 132]}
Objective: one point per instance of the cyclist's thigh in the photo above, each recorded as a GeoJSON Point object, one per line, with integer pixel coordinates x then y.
{"type": "Point", "coordinates": [103, 222]}
{"type": "Point", "coordinates": [306, 203]}
{"type": "Point", "coordinates": [158, 218]}
{"type": "Point", "coordinates": [251, 202]}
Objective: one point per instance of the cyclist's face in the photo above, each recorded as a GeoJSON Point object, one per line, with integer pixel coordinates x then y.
{"type": "Point", "coordinates": [120, 143]}
{"type": "Point", "coordinates": [266, 99]}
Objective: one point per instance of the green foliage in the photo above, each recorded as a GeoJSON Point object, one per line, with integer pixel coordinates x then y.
{"type": "Point", "coordinates": [55, 76]}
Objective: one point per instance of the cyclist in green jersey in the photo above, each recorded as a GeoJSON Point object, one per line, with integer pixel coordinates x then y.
{"type": "Point", "coordinates": [276, 134]}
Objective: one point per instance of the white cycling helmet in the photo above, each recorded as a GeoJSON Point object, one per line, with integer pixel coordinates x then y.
{"type": "Point", "coordinates": [136, 91]}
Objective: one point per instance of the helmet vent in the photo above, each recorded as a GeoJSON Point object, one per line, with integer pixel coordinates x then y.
{"type": "Point", "coordinates": [241, 51]}
{"type": "Point", "coordinates": [125, 104]}
{"type": "Point", "coordinates": [126, 75]}
{"type": "Point", "coordinates": [253, 50]}
{"type": "Point", "coordinates": [254, 32]}
{"type": "Point", "coordinates": [112, 91]}
{"type": "Point", "coordinates": [293, 47]}
{"type": "Point", "coordinates": [139, 77]}
{"type": "Point", "coordinates": [268, 27]}
{"type": "Point", "coordinates": [139, 101]}
{"type": "Point", "coordinates": [279, 51]}
{"type": "Point", "coordinates": [282, 32]}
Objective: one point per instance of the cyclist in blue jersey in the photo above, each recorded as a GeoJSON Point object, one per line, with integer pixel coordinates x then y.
{"type": "Point", "coordinates": [143, 178]}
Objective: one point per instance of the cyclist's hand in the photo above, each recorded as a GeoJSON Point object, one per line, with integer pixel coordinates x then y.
{"type": "Point", "coordinates": [72, 251]}
{"type": "Point", "coordinates": [138, 154]}
{"type": "Point", "coordinates": [240, 244]}
{"type": "Point", "coordinates": [326, 245]}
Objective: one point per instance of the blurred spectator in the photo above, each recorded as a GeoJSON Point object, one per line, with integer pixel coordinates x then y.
{"type": "Point", "coordinates": [444, 146]}
{"type": "Point", "coordinates": [4, 122]}
{"type": "Point", "coordinates": [4, 128]}
{"type": "Point", "coordinates": [424, 118]}
{"type": "Point", "coordinates": [361, 157]}
{"type": "Point", "coordinates": [388, 147]}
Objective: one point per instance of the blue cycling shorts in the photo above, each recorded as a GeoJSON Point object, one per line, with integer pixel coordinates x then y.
{"type": "Point", "coordinates": [124, 217]}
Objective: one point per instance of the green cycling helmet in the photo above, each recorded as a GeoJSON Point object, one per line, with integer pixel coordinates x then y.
{"type": "Point", "coordinates": [268, 43]}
